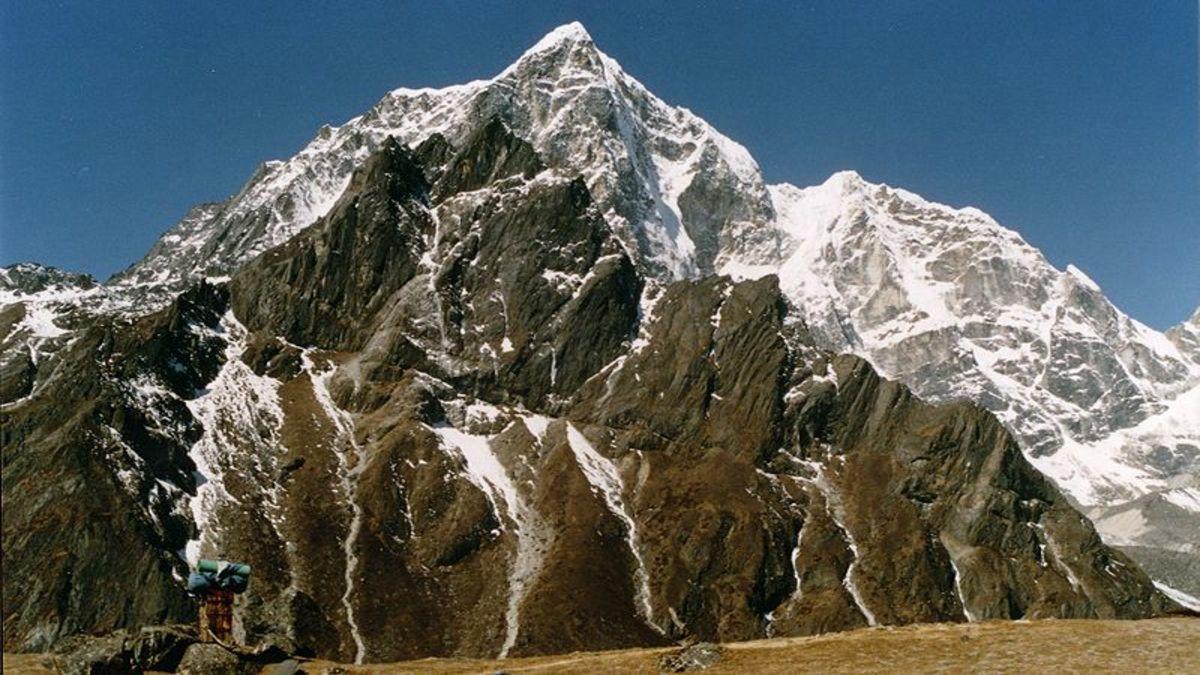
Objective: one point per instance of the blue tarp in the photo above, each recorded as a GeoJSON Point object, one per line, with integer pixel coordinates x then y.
{"type": "Point", "coordinates": [226, 577]}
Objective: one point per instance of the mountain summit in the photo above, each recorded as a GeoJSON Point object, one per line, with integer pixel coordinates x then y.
{"type": "Point", "coordinates": [540, 363]}
{"type": "Point", "coordinates": [667, 181]}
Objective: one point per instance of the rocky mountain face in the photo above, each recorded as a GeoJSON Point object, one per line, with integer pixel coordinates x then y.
{"type": "Point", "coordinates": [959, 308]}
{"type": "Point", "coordinates": [667, 182]}
{"type": "Point", "coordinates": [459, 379]}
{"type": "Point", "coordinates": [945, 300]}
{"type": "Point", "coordinates": [445, 420]}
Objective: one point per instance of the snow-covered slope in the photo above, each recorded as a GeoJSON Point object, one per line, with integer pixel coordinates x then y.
{"type": "Point", "coordinates": [666, 179]}
{"type": "Point", "coordinates": [1186, 335]}
{"type": "Point", "coordinates": [957, 306]}
{"type": "Point", "coordinates": [40, 309]}
{"type": "Point", "coordinates": [944, 299]}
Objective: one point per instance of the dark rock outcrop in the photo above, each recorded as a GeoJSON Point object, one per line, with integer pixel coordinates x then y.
{"type": "Point", "coordinates": [156, 648]}
{"type": "Point", "coordinates": [324, 283]}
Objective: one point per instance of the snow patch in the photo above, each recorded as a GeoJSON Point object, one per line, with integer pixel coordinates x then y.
{"type": "Point", "coordinates": [39, 320]}
{"type": "Point", "coordinates": [537, 425]}
{"type": "Point", "coordinates": [1189, 601]}
{"type": "Point", "coordinates": [351, 463]}
{"type": "Point", "coordinates": [485, 471]}
{"type": "Point", "coordinates": [604, 477]}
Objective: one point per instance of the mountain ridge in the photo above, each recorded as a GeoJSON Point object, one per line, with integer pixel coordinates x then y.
{"type": "Point", "coordinates": [450, 373]}
{"type": "Point", "coordinates": [685, 201]}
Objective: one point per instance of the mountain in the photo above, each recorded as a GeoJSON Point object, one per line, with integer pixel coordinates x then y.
{"type": "Point", "coordinates": [540, 363]}
{"type": "Point", "coordinates": [945, 300]}
{"type": "Point", "coordinates": [666, 180]}
{"type": "Point", "coordinates": [959, 308]}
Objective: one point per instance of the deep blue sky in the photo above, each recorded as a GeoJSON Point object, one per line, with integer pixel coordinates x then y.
{"type": "Point", "coordinates": [1073, 123]}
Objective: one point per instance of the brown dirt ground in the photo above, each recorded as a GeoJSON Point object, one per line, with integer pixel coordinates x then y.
{"type": "Point", "coordinates": [1153, 646]}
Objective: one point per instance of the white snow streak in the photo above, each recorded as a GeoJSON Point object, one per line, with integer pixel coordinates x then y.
{"type": "Point", "coordinates": [796, 559]}
{"type": "Point", "coordinates": [603, 475]}
{"type": "Point", "coordinates": [834, 508]}
{"type": "Point", "coordinates": [351, 464]}
{"type": "Point", "coordinates": [962, 599]}
{"type": "Point", "coordinates": [486, 472]}
{"type": "Point", "coordinates": [1189, 601]}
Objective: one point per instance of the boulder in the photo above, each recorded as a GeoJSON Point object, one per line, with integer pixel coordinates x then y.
{"type": "Point", "coordinates": [151, 648]}
{"type": "Point", "coordinates": [699, 656]}
{"type": "Point", "coordinates": [213, 659]}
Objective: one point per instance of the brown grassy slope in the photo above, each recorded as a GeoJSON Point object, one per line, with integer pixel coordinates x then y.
{"type": "Point", "coordinates": [1151, 646]}
{"type": "Point", "coordinates": [1156, 645]}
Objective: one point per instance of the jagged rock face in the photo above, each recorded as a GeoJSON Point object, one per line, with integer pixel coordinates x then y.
{"type": "Point", "coordinates": [669, 184]}
{"type": "Point", "coordinates": [945, 300]}
{"type": "Point", "coordinates": [306, 292]}
{"type": "Point", "coordinates": [32, 278]}
{"type": "Point", "coordinates": [479, 286]}
{"type": "Point", "coordinates": [902, 496]}
{"type": "Point", "coordinates": [96, 474]}
{"type": "Point", "coordinates": [444, 421]}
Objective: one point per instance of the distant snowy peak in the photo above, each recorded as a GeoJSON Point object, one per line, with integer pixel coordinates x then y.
{"type": "Point", "coordinates": [38, 297]}
{"type": "Point", "coordinates": [666, 179]}
{"type": "Point", "coordinates": [572, 32]}
{"type": "Point", "coordinates": [27, 279]}
{"type": "Point", "coordinates": [1186, 336]}
{"type": "Point", "coordinates": [959, 307]}
{"type": "Point", "coordinates": [40, 309]}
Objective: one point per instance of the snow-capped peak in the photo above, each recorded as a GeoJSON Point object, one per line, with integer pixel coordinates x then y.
{"type": "Point", "coordinates": [846, 180]}
{"type": "Point", "coordinates": [559, 44]}
{"type": "Point", "coordinates": [959, 307]}
{"type": "Point", "coordinates": [640, 156]}
{"type": "Point", "coordinates": [1084, 279]}
{"type": "Point", "coordinates": [568, 32]}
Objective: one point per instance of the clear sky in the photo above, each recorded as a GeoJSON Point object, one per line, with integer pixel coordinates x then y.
{"type": "Point", "coordinates": [1074, 123]}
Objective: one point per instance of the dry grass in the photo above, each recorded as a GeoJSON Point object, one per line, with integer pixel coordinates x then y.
{"type": "Point", "coordinates": [29, 664]}
{"type": "Point", "coordinates": [1152, 646]}
{"type": "Point", "coordinates": [1159, 645]}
